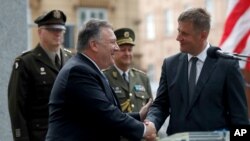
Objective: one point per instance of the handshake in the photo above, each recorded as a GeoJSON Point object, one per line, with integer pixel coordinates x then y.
{"type": "Point", "coordinates": [150, 131]}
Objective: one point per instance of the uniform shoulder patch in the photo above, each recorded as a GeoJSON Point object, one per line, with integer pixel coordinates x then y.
{"type": "Point", "coordinates": [17, 62]}
{"type": "Point", "coordinates": [137, 70]}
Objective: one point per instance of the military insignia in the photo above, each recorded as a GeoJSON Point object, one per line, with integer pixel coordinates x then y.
{"type": "Point", "coordinates": [18, 132]}
{"type": "Point", "coordinates": [139, 88]}
{"type": "Point", "coordinates": [114, 74]}
{"type": "Point", "coordinates": [16, 65]}
{"type": "Point", "coordinates": [56, 14]}
{"type": "Point", "coordinates": [42, 71]}
{"type": "Point", "coordinates": [126, 34]}
{"type": "Point", "coordinates": [131, 74]}
{"type": "Point", "coordinates": [117, 90]}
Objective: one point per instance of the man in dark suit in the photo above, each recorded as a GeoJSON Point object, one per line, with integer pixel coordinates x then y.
{"type": "Point", "coordinates": [83, 106]}
{"type": "Point", "coordinates": [199, 94]}
{"type": "Point", "coordinates": [32, 79]}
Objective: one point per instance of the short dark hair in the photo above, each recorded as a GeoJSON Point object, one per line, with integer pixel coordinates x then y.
{"type": "Point", "coordinates": [90, 30]}
{"type": "Point", "coordinates": [198, 16]}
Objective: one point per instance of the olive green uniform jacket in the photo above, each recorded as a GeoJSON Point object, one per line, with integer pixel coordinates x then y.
{"type": "Point", "coordinates": [133, 95]}
{"type": "Point", "coordinates": [29, 89]}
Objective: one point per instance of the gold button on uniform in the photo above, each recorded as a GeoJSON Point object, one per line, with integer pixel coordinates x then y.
{"type": "Point", "coordinates": [132, 105]}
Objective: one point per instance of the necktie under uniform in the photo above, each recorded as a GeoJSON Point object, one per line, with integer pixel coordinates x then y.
{"type": "Point", "coordinates": [124, 76]}
{"type": "Point", "coordinates": [57, 62]}
{"type": "Point", "coordinates": [192, 77]}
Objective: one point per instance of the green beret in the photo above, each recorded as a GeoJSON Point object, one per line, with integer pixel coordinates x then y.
{"type": "Point", "coordinates": [54, 19]}
{"type": "Point", "coordinates": [125, 36]}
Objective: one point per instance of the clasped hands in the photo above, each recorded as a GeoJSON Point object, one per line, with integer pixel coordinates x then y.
{"type": "Point", "coordinates": [150, 134]}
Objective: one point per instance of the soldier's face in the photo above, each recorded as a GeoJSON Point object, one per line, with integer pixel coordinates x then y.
{"type": "Point", "coordinates": [124, 56]}
{"type": "Point", "coordinates": [51, 38]}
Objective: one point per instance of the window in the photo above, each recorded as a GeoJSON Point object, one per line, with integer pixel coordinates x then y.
{"type": "Point", "coordinates": [150, 25]}
{"type": "Point", "coordinates": [69, 36]}
{"type": "Point", "coordinates": [210, 9]}
{"type": "Point", "coordinates": [169, 23]}
{"type": "Point", "coordinates": [85, 14]}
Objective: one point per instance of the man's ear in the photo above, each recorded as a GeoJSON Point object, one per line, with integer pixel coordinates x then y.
{"type": "Point", "coordinates": [93, 45]}
{"type": "Point", "coordinates": [204, 35]}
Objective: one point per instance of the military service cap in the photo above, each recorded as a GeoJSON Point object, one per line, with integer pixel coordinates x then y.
{"type": "Point", "coordinates": [125, 36]}
{"type": "Point", "coordinates": [52, 19]}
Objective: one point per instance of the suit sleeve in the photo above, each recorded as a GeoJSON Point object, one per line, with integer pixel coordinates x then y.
{"type": "Point", "coordinates": [17, 97]}
{"type": "Point", "coordinates": [236, 97]}
{"type": "Point", "coordinates": [90, 95]}
{"type": "Point", "coordinates": [159, 110]}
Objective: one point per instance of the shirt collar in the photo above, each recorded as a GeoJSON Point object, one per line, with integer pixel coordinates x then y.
{"type": "Point", "coordinates": [52, 54]}
{"type": "Point", "coordinates": [120, 71]}
{"type": "Point", "coordinates": [202, 56]}
{"type": "Point", "coordinates": [92, 62]}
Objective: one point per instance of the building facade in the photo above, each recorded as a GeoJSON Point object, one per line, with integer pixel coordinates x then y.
{"type": "Point", "coordinates": [154, 22]}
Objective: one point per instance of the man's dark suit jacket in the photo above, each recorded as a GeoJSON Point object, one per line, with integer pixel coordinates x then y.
{"type": "Point", "coordinates": [83, 107]}
{"type": "Point", "coordinates": [219, 100]}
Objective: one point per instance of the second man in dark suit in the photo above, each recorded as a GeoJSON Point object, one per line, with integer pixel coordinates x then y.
{"type": "Point", "coordinates": [197, 91]}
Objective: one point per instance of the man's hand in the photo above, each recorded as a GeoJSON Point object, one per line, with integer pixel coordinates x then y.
{"type": "Point", "coordinates": [144, 110]}
{"type": "Point", "coordinates": [150, 134]}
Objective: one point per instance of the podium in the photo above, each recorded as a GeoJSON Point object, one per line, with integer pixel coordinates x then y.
{"type": "Point", "coordinates": [199, 136]}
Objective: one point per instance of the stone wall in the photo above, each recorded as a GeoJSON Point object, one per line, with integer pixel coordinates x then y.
{"type": "Point", "coordinates": [13, 40]}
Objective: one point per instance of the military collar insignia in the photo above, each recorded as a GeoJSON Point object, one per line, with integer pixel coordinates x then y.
{"type": "Point", "coordinates": [131, 73]}
{"type": "Point", "coordinates": [114, 73]}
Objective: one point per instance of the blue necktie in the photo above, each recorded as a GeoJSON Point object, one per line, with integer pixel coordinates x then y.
{"type": "Point", "coordinates": [192, 78]}
{"type": "Point", "coordinates": [124, 77]}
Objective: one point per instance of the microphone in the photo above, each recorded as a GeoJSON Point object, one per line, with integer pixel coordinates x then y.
{"type": "Point", "coordinates": [215, 52]}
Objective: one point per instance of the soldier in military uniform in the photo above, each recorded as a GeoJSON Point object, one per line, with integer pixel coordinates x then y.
{"type": "Point", "coordinates": [33, 76]}
{"type": "Point", "coordinates": [131, 85]}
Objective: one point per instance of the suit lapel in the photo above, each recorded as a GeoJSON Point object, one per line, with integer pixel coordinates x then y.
{"type": "Point", "coordinates": [182, 80]}
{"type": "Point", "coordinates": [132, 81]}
{"type": "Point", "coordinates": [206, 71]}
{"type": "Point", "coordinates": [109, 92]}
